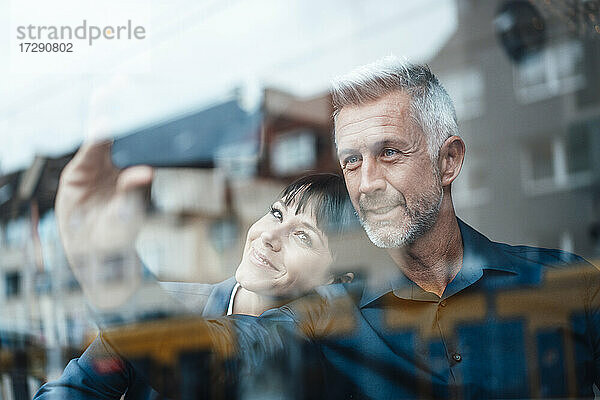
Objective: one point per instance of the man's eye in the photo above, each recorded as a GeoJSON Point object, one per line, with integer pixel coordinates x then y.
{"type": "Point", "coordinates": [304, 237]}
{"type": "Point", "coordinates": [276, 213]}
{"type": "Point", "coordinates": [389, 152]}
{"type": "Point", "coordinates": [351, 162]}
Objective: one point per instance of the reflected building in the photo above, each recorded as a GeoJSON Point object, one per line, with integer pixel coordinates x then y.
{"type": "Point", "coordinates": [203, 199]}
{"type": "Point", "coordinates": [43, 319]}
{"type": "Point", "coordinates": [532, 128]}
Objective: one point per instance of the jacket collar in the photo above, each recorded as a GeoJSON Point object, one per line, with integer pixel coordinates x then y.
{"type": "Point", "coordinates": [218, 299]}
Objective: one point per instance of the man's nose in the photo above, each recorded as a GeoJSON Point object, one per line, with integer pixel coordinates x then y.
{"type": "Point", "coordinates": [271, 238]}
{"type": "Point", "coordinates": [371, 177]}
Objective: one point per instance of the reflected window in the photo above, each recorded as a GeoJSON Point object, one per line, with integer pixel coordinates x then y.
{"type": "Point", "coordinates": [17, 232]}
{"type": "Point", "coordinates": [467, 89]}
{"type": "Point", "coordinates": [13, 284]}
{"type": "Point", "coordinates": [542, 165]}
{"type": "Point", "coordinates": [293, 152]}
{"type": "Point", "coordinates": [43, 283]}
{"type": "Point", "coordinates": [578, 144]}
{"type": "Point", "coordinates": [561, 162]}
{"type": "Point", "coordinates": [237, 160]}
{"type": "Point", "coordinates": [555, 71]}
{"type": "Point", "coordinates": [539, 165]}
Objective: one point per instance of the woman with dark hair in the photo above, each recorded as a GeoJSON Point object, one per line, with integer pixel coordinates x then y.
{"type": "Point", "coordinates": [287, 254]}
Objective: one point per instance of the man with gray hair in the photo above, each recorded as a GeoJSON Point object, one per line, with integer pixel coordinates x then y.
{"type": "Point", "coordinates": [399, 149]}
{"type": "Point", "coordinates": [449, 324]}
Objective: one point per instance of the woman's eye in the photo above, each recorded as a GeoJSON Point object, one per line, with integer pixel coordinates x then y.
{"type": "Point", "coordinates": [304, 237]}
{"type": "Point", "coordinates": [276, 213]}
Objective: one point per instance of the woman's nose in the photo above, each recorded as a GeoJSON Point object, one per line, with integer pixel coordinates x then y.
{"type": "Point", "coordinates": [271, 238]}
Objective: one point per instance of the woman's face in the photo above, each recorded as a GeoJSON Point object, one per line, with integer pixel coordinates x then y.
{"type": "Point", "coordinates": [285, 254]}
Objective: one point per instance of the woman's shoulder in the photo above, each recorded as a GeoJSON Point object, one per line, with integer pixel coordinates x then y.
{"type": "Point", "coordinates": [205, 298]}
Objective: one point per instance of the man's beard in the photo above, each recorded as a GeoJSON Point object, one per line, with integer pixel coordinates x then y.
{"type": "Point", "coordinates": [419, 217]}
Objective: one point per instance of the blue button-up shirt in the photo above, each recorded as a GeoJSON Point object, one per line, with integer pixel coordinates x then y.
{"type": "Point", "coordinates": [516, 321]}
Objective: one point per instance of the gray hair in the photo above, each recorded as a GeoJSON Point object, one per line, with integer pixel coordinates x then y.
{"type": "Point", "coordinates": [431, 106]}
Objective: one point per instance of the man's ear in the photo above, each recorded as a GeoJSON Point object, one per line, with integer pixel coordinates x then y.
{"type": "Point", "coordinates": [452, 155]}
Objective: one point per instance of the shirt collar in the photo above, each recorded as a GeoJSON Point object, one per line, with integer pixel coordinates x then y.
{"type": "Point", "coordinates": [479, 254]}
{"type": "Point", "coordinates": [232, 298]}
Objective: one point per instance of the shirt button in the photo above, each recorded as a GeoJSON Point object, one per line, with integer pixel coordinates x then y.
{"type": "Point", "coordinates": [457, 357]}
{"type": "Point", "coordinates": [443, 303]}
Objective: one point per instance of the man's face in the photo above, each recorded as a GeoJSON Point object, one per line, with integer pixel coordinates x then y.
{"type": "Point", "coordinates": [393, 183]}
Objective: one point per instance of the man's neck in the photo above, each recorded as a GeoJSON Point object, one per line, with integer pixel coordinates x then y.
{"type": "Point", "coordinates": [434, 259]}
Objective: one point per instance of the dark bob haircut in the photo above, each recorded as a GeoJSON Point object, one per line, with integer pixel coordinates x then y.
{"type": "Point", "coordinates": [328, 196]}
